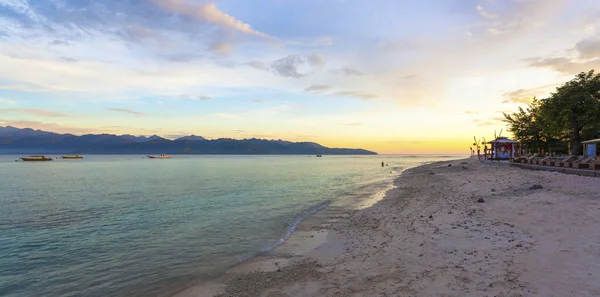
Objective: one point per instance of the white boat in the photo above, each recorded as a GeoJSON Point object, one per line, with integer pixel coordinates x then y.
{"type": "Point", "coordinates": [163, 156]}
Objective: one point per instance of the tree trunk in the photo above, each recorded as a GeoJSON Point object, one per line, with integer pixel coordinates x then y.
{"type": "Point", "coordinates": [576, 146]}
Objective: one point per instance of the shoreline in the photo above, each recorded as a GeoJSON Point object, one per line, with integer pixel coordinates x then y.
{"type": "Point", "coordinates": [312, 232]}
{"type": "Point", "coordinates": [449, 228]}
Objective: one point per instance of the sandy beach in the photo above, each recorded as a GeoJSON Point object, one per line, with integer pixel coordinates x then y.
{"type": "Point", "coordinates": [457, 228]}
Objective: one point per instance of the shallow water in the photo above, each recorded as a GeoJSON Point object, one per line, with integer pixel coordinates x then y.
{"type": "Point", "coordinates": [131, 226]}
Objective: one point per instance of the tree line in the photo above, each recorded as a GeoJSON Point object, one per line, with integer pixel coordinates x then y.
{"type": "Point", "coordinates": [559, 123]}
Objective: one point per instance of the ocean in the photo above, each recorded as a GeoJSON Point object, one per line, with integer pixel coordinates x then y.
{"type": "Point", "coordinates": [112, 225]}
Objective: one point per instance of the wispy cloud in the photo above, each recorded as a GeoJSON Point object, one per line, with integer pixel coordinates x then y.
{"type": "Point", "coordinates": [323, 89]}
{"type": "Point", "coordinates": [589, 48]}
{"type": "Point", "coordinates": [471, 112]}
{"type": "Point", "coordinates": [295, 66]}
{"type": "Point", "coordinates": [347, 72]}
{"type": "Point", "coordinates": [354, 94]}
{"type": "Point", "coordinates": [208, 12]}
{"type": "Point", "coordinates": [525, 96]}
{"type": "Point", "coordinates": [317, 89]}
{"type": "Point", "coordinates": [36, 112]}
{"type": "Point", "coordinates": [257, 101]}
{"type": "Point", "coordinates": [485, 14]}
{"type": "Point", "coordinates": [126, 110]}
{"type": "Point", "coordinates": [563, 64]}
{"type": "Point", "coordinates": [7, 102]}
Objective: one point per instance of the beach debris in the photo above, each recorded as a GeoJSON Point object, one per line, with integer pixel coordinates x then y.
{"type": "Point", "coordinates": [480, 200]}
{"type": "Point", "coordinates": [536, 187]}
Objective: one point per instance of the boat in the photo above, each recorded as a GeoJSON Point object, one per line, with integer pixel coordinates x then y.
{"type": "Point", "coordinates": [36, 159]}
{"type": "Point", "coordinates": [163, 156]}
{"type": "Point", "coordinates": [72, 157]}
{"type": "Point", "coordinates": [319, 155]}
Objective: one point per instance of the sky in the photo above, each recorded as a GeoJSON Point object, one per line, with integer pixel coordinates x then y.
{"type": "Point", "coordinates": [385, 75]}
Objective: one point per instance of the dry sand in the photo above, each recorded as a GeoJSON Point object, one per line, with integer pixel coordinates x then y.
{"type": "Point", "coordinates": [431, 237]}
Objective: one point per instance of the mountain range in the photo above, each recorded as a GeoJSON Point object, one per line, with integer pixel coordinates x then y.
{"type": "Point", "coordinates": [29, 141]}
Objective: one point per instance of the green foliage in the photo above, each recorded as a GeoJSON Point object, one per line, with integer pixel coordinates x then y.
{"type": "Point", "coordinates": [570, 115]}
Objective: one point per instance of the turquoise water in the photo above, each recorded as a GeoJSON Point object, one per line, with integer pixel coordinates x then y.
{"type": "Point", "coordinates": [131, 226]}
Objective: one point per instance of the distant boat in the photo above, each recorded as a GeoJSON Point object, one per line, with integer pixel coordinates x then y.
{"type": "Point", "coordinates": [319, 155]}
{"type": "Point", "coordinates": [72, 157]}
{"type": "Point", "coordinates": [163, 156]}
{"type": "Point", "coordinates": [36, 159]}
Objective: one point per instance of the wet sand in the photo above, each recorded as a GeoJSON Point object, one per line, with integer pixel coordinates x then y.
{"type": "Point", "coordinates": [534, 233]}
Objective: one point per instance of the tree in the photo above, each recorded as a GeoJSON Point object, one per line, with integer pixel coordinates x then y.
{"type": "Point", "coordinates": [528, 127]}
{"type": "Point", "coordinates": [572, 112]}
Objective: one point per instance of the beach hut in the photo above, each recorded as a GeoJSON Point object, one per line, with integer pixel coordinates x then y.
{"type": "Point", "coordinates": [503, 148]}
{"type": "Point", "coordinates": [590, 147]}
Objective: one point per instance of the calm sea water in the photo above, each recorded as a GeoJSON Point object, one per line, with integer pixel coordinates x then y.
{"type": "Point", "coordinates": [131, 226]}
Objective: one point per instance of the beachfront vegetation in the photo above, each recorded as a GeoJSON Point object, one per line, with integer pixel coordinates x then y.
{"type": "Point", "coordinates": [567, 117]}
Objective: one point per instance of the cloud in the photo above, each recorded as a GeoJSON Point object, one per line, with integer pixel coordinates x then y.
{"type": "Point", "coordinates": [194, 97]}
{"type": "Point", "coordinates": [257, 100]}
{"type": "Point", "coordinates": [322, 89]}
{"type": "Point", "coordinates": [257, 65]}
{"type": "Point", "coordinates": [208, 12]}
{"type": "Point", "coordinates": [485, 14]}
{"type": "Point", "coordinates": [220, 47]}
{"type": "Point", "coordinates": [496, 121]}
{"type": "Point", "coordinates": [565, 65]}
{"type": "Point", "coordinates": [317, 89]}
{"type": "Point", "coordinates": [52, 127]}
{"type": "Point", "coordinates": [589, 48]}
{"type": "Point", "coordinates": [354, 94]}
{"type": "Point", "coordinates": [297, 66]}
{"type": "Point", "coordinates": [315, 60]}
{"type": "Point", "coordinates": [7, 102]}
{"type": "Point", "coordinates": [412, 76]}
{"type": "Point", "coordinates": [67, 59]}
{"type": "Point", "coordinates": [471, 112]}
{"type": "Point", "coordinates": [525, 96]}
{"type": "Point", "coordinates": [347, 72]}
{"type": "Point", "coordinates": [125, 110]}
{"type": "Point", "coordinates": [487, 123]}
{"type": "Point", "coordinates": [36, 112]}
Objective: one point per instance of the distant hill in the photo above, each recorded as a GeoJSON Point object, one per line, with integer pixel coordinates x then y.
{"type": "Point", "coordinates": [25, 141]}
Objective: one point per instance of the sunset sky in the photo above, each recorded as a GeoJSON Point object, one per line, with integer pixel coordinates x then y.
{"type": "Point", "coordinates": [386, 75]}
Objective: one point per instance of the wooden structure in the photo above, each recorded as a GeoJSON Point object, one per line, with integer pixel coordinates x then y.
{"type": "Point", "coordinates": [590, 147]}
{"type": "Point", "coordinates": [503, 148]}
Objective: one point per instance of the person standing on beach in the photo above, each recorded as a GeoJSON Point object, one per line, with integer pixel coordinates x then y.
{"type": "Point", "coordinates": [382, 164]}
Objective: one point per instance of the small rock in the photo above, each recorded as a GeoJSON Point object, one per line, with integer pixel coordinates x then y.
{"type": "Point", "coordinates": [536, 187]}
{"type": "Point", "coordinates": [449, 165]}
{"type": "Point", "coordinates": [431, 216]}
{"type": "Point", "coordinates": [519, 245]}
{"type": "Point", "coordinates": [493, 190]}
{"type": "Point", "coordinates": [480, 200]}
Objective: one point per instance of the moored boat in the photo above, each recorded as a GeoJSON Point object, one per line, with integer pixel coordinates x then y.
{"type": "Point", "coordinates": [163, 156]}
{"type": "Point", "coordinates": [72, 157]}
{"type": "Point", "coordinates": [36, 158]}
